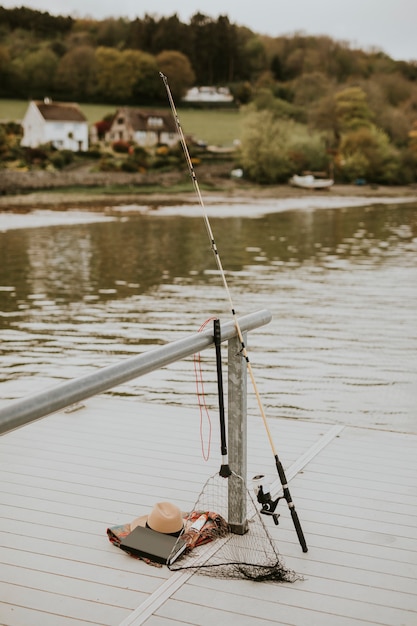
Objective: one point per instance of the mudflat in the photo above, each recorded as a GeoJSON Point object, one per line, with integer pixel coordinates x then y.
{"type": "Point", "coordinates": [23, 191]}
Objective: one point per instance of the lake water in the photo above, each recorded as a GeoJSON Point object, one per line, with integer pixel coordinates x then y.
{"type": "Point", "coordinates": [81, 290]}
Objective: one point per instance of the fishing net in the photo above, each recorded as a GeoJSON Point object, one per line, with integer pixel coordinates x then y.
{"type": "Point", "coordinates": [235, 549]}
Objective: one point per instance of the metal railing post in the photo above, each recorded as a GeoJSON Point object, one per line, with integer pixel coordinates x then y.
{"type": "Point", "coordinates": [237, 434]}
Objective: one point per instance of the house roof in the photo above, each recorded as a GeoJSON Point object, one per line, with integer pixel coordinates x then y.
{"type": "Point", "coordinates": [145, 120]}
{"type": "Point", "coordinates": [60, 111]}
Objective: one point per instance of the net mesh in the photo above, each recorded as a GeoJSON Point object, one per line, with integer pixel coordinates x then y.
{"type": "Point", "coordinates": [237, 549]}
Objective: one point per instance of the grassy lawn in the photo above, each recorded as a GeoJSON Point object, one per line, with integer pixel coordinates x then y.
{"type": "Point", "coordinates": [218, 127]}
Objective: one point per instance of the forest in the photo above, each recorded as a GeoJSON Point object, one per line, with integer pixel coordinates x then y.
{"type": "Point", "coordinates": [309, 103]}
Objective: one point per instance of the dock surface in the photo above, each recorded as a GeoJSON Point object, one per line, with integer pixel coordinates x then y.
{"type": "Point", "coordinates": [68, 477]}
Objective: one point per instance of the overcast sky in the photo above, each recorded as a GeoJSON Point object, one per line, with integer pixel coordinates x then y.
{"type": "Point", "coordinates": [389, 25]}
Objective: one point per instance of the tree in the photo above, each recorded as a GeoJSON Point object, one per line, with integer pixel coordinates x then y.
{"type": "Point", "coordinates": [5, 70]}
{"type": "Point", "coordinates": [367, 153]}
{"type": "Point", "coordinates": [310, 87]}
{"type": "Point", "coordinates": [255, 55]}
{"type": "Point", "coordinates": [264, 99]}
{"type": "Point", "coordinates": [177, 67]}
{"type": "Point", "coordinates": [107, 60]}
{"type": "Point", "coordinates": [126, 76]}
{"type": "Point", "coordinates": [137, 76]}
{"type": "Point", "coordinates": [224, 50]}
{"type": "Point", "coordinates": [171, 34]}
{"type": "Point", "coordinates": [276, 67]}
{"type": "Point", "coordinates": [352, 110]}
{"type": "Point", "coordinates": [39, 71]}
{"type": "Point", "coordinates": [395, 87]}
{"type": "Point", "coordinates": [146, 87]}
{"type": "Point", "coordinates": [76, 73]}
{"type": "Point", "coordinates": [396, 124]}
{"type": "Point", "coordinates": [272, 149]}
{"type": "Point", "coordinates": [202, 38]}
{"type": "Point", "coordinates": [141, 34]}
{"type": "Point", "coordinates": [112, 33]}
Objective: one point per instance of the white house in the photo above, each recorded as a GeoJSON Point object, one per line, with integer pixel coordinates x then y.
{"type": "Point", "coordinates": [60, 123]}
{"type": "Point", "coordinates": [146, 128]}
{"type": "Point", "coordinates": [206, 95]}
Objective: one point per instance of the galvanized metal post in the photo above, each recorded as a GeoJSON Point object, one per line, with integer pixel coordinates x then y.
{"type": "Point", "coordinates": [237, 435]}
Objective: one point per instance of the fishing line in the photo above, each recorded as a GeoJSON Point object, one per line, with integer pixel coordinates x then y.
{"type": "Point", "coordinates": [201, 397]}
{"type": "Point", "coordinates": [279, 467]}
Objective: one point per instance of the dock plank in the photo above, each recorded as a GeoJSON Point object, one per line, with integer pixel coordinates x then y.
{"type": "Point", "coordinates": [68, 477]}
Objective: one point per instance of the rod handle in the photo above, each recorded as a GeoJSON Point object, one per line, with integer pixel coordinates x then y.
{"type": "Point", "coordinates": [298, 530]}
{"type": "Point", "coordinates": [287, 496]}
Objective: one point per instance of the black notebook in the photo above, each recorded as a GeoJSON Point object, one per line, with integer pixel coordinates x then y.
{"type": "Point", "coordinates": [149, 544]}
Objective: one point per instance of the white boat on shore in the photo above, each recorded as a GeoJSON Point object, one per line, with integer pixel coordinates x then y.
{"type": "Point", "coordinates": [310, 182]}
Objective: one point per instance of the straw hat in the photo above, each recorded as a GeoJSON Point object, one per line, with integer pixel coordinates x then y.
{"type": "Point", "coordinates": [164, 518]}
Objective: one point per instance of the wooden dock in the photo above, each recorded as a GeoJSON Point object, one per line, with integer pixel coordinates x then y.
{"type": "Point", "coordinates": [67, 477]}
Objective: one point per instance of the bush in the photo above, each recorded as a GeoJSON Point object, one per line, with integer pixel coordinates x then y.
{"type": "Point", "coordinates": [353, 167]}
{"type": "Point", "coordinates": [35, 155]}
{"type": "Point", "coordinates": [57, 160]}
{"type": "Point", "coordinates": [121, 146]}
{"type": "Point", "coordinates": [93, 153]}
{"type": "Point", "coordinates": [139, 155]}
{"type": "Point", "coordinates": [367, 153]}
{"type": "Point", "coordinates": [162, 150]}
{"type": "Point", "coordinates": [129, 166]}
{"type": "Point", "coordinates": [107, 164]}
{"type": "Point", "coordinates": [67, 156]}
{"type": "Point", "coordinates": [273, 149]}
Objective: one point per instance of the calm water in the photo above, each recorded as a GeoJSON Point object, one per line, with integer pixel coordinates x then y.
{"type": "Point", "coordinates": [341, 285]}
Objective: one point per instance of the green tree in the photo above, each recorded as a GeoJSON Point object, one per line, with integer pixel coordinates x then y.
{"type": "Point", "coordinates": [224, 50]}
{"type": "Point", "coordinates": [142, 33]}
{"type": "Point", "coordinates": [367, 153]}
{"type": "Point", "coordinates": [126, 76]}
{"type": "Point", "coordinates": [276, 67]}
{"type": "Point", "coordinates": [340, 112]}
{"type": "Point", "coordinates": [112, 33]}
{"type": "Point", "coordinates": [202, 38]}
{"type": "Point", "coordinates": [39, 72]}
{"type": "Point", "coordinates": [255, 55]}
{"type": "Point", "coordinates": [137, 76]}
{"type": "Point", "coordinates": [107, 60]}
{"type": "Point", "coordinates": [396, 124]}
{"type": "Point", "coordinates": [272, 149]}
{"type": "Point", "coordinates": [396, 88]}
{"type": "Point", "coordinates": [177, 67]}
{"type": "Point", "coordinates": [310, 87]}
{"type": "Point", "coordinates": [171, 34]}
{"type": "Point", "coordinates": [76, 73]}
{"type": "Point", "coordinates": [265, 100]}
{"type": "Point", "coordinates": [5, 70]}
{"type": "Point", "coordinates": [146, 87]}
{"type": "Point", "coordinates": [352, 110]}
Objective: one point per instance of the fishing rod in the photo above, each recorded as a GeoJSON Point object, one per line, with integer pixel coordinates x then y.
{"type": "Point", "coordinates": [225, 470]}
{"type": "Point", "coordinates": [278, 464]}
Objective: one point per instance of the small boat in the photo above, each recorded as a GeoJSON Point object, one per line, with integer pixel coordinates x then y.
{"type": "Point", "coordinates": [310, 182]}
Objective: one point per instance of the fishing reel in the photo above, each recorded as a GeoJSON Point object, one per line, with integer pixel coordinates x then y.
{"type": "Point", "coordinates": [263, 495]}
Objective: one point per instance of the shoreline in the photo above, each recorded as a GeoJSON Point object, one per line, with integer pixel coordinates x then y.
{"type": "Point", "coordinates": [231, 191]}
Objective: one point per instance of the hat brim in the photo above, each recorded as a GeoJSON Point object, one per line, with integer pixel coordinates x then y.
{"type": "Point", "coordinates": [142, 519]}
{"type": "Point", "coordinates": [139, 521]}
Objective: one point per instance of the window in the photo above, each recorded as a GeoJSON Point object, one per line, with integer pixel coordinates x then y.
{"type": "Point", "coordinates": [155, 122]}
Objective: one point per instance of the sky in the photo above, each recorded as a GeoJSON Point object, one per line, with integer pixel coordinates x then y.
{"type": "Point", "coordinates": [387, 25]}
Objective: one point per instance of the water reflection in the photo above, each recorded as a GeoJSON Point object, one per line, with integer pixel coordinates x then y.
{"type": "Point", "coordinates": [341, 284]}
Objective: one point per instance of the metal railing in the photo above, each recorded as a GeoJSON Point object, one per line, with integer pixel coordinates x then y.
{"type": "Point", "coordinates": [26, 410]}
{"type": "Point", "coordinates": [23, 411]}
